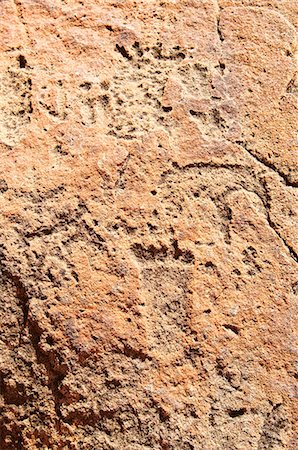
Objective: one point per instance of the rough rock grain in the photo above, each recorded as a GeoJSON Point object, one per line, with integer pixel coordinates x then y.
{"type": "Point", "coordinates": [148, 250]}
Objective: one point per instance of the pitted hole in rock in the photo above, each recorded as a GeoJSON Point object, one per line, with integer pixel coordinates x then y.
{"type": "Point", "coordinates": [222, 67]}
{"type": "Point", "coordinates": [86, 86]}
{"type": "Point", "coordinates": [292, 86]}
{"type": "Point", "coordinates": [105, 100]}
{"type": "Point", "coordinates": [295, 288]}
{"type": "Point", "coordinates": [236, 412]}
{"type": "Point", "coordinates": [138, 49]}
{"type": "Point", "coordinates": [218, 119]}
{"type": "Point", "coordinates": [3, 186]}
{"type": "Point", "coordinates": [105, 85]}
{"type": "Point", "coordinates": [185, 256]}
{"type": "Point", "coordinates": [50, 341]}
{"type": "Point", "coordinates": [198, 114]}
{"type": "Point", "coordinates": [201, 68]}
{"type": "Point", "coordinates": [121, 49]}
{"type": "Point", "coordinates": [75, 276]}
{"type": "Point", "coordinates": [151, 226]}
{"type": "Point", "coordinates": [180, 56]}
{"type": "Point", "coordinates": [232, 328]}
{"type": "Point", "coordinates": [22, 62]}
{"type": "Point", "coordinates": [58, 149]}
{"type": "Point", "coordinates": [275, 428]}
{"type": "Point", "coordinates": [150, 252]}
{"type": "Point", "coordinates": [210, 266]}
{"type": "Point", "coordinates": [15, 88]}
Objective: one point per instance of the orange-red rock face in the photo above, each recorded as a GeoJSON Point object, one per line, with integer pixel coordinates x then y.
{"type": "Point", "coordinates": [148, 250]}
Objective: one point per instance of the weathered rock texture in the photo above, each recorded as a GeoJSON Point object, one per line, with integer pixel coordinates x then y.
{"type": "Point", "coordinates": [148, 224]}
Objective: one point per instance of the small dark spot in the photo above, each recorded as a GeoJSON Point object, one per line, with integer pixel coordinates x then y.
{"type": "Point", "coordinates": [22, 62]}
{"type": "Point", "coordinates": [196, 194]}
{"type": "Point", "coordinates": [129, 319]}
{"type": "Point", "coordinates": [167, 108]}
{"type": "Point", "coordinates": [207, 311]}
{"type": "Point", "coordinates": [154, 192]}
{"type": "Point", "coordinates": [236, 412]}
{"type": "Point", "coordinates": [109, 28]}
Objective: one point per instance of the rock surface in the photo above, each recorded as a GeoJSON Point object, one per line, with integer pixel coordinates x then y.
{"type": "Point", "coordinates": [148, 195]}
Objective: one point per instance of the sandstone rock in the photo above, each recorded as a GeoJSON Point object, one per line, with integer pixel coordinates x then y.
{"type": "Point", "coordinates": [148, 195]}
